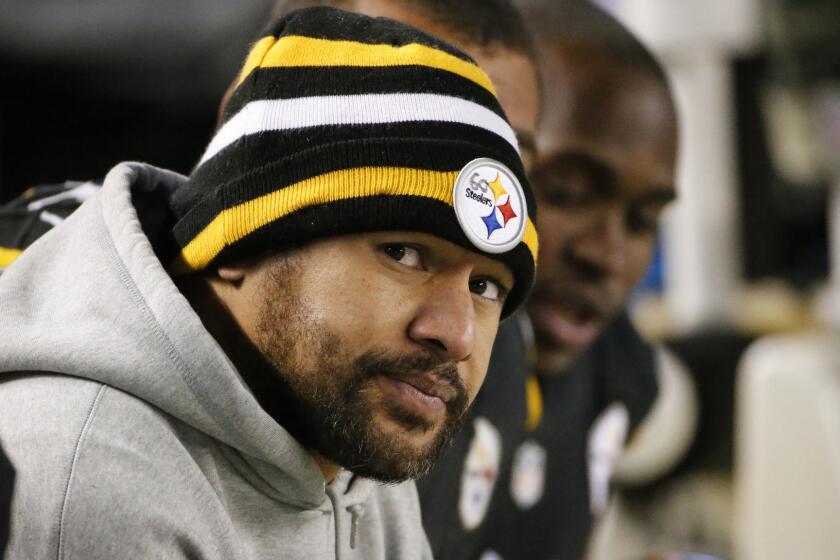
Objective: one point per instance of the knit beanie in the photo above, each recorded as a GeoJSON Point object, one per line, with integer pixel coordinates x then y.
{"type": "Point", "coordinates": [342, 123]}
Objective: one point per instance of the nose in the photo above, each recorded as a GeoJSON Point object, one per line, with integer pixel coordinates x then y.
{"type": "Point", "coordinates": [445, 322]}
{"type": "Point", "coordinates": [600, 246]}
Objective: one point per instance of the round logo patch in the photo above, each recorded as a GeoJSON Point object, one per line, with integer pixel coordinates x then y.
{"type": "Point", "coordinates": [606, 444]}
{"type": "Point", "coordinates": [528, 478]}
{"type": "Point", "coordinates": [490, 205]}
{"type": "Point", "coordinates": [481, 469]}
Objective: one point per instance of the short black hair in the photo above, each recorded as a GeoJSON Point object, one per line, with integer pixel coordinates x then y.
{"type": "Point", "coordinates": [583, 25]}
{"type": "Point", "coordinates": [483, 23]}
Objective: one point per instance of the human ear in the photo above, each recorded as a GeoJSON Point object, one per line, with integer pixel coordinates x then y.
{"type": "Point", "coordinates": [231, 273]}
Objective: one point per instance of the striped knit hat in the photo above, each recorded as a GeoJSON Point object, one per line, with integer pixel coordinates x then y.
{"type": "Point", "coordinates": [341, 123]}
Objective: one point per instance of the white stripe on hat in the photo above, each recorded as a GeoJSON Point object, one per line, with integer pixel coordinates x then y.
{"type": "Point", "coordinates": [302, 112]}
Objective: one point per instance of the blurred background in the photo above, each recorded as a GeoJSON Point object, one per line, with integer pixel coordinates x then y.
{"type": "Point", "coordinates": [742, 289]}
{"type": "Point", "coordinates": [90, 84]}
{"type": "Point", "coordinates": [741, 286]}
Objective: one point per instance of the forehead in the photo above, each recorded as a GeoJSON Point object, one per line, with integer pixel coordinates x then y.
{"type": "Point", "coordinates": [621, 117]}
{"type": "Point", "coordinates": [517, 86]}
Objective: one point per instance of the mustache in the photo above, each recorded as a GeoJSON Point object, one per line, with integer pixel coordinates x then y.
{"type": "Point", "coordinates": [374, 364]}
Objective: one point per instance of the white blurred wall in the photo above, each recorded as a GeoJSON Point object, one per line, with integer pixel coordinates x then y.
{"type": "Point", "coordinates": [696, 39]}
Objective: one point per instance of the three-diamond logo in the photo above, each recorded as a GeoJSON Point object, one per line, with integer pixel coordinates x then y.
{"type": "Point", "coordinates": [490, 205]}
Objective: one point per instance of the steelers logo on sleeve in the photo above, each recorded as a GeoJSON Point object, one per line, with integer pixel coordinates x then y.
{"type": "Point", "coordinates": [481, 470]}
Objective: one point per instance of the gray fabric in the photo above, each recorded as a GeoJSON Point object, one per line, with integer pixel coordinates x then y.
{"type": "Point", "coordinates": [138, 438]}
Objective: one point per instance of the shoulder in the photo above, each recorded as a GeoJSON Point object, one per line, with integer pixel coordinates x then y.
{"type": "Point", "coordinates": [101, 474]}
{"type": "Point", "coordinates": [629, 370]}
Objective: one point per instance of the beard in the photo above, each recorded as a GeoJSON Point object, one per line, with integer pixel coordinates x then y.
{"type": "Point", "coordinates": [325, 396]}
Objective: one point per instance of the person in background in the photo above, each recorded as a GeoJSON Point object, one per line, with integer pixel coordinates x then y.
{"type": "Point", "coordinates": [253, 360]}
{"type": "Point", "coordinates": [606, 169]}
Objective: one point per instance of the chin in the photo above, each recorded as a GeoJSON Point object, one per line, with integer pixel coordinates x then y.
{"type": "Point", "coordinates": [556, 362]}
{"type": "Point", "coordinates": [418, 438]}
{"type": "Point", "coordinates": [400, 452]}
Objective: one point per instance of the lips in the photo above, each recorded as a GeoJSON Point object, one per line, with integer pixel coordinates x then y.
{"type": "Point", "coordinates": [420, 400]}
{"type": "Point", "coordinates": [429, 384]}
{"type": "Point", "coordinates": [569, 319]}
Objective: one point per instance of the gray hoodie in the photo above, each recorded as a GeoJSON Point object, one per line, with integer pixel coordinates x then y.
{"type": "Point", "coordinates": [133, 435]}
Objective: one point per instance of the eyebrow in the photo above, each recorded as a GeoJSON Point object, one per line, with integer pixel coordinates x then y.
{"type": "Point", "coordinates": [661, 194]}
{"type": "Point", "coordinates": [592, 166]}
{"type": "Point", "coordinates": [658, 194]}
{"type": "Point", "coordinates": [578, 158]}
{"type": "Point", "coordinates": [526, 141]}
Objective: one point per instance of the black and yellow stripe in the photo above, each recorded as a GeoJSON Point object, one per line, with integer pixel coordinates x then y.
{"type": "Point", "coordinates": [235, 223]}
{"type": "Point", "coordinates": [265, 168]}
{"type": "Point", "coordinates": [298, 51]}
{"type": "Point", "coordinates": [270, 175]}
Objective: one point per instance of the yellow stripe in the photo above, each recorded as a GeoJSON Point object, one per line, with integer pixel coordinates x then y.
{"type": "Point", "coordinates": [534, 400]}
{"type": "Point", "coordinates": [296, 50]}
{"type": "Point", "coordinates": [255, 57]}
{"type": "Point", "coordinates": [532, 240]}
{"type": "Point", "coordinates": [7, 256]}
{"type": "Point", "coordinates": [233, 224]}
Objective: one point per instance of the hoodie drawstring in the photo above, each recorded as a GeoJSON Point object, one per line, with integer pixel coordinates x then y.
{"type": "Point", "coordinates": [356, 513]}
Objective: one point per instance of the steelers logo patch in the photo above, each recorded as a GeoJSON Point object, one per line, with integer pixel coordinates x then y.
{"type": "Point", "coordinates": [490, 205]}
{"type": "Point", "coordinates": [528, 475]}
{"type": "Point", "coordinates": [481, 470]}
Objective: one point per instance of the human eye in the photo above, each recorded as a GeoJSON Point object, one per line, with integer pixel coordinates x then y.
{"type": "Point", "coordinates": [404, 254]}
{"type": "Point", "coordinates": [488, 289]}
{"type": "Point", "coordinates": [643, 220]}
{"type": "Point", "coordinates": [565, 192]}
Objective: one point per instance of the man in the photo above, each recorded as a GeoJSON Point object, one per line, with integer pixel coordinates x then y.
{"type": "Point", "coordinates": [607, 142]}
{"type": "Point", "coordinates": [493, 33]}
{"type": "Point", "coordinates": [218, 366]}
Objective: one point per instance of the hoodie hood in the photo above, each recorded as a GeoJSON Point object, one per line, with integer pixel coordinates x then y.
{"type": "Point", "coordinates": [91, 299]}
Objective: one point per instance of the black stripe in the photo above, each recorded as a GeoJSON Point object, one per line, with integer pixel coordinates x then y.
{"type": "Point", "coordinates": [324, 22]}
{"type": "Point", "coordinates": [212, 188]}
{"type": "Point", "coordinates": [376, 213]}
{"type": "Point", "coordinates": [289, 83]}
{"type": "Point", "coordinates": [261, 149]}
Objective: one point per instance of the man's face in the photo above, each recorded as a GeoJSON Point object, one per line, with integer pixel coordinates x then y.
{"type": "Point", "coordinates": [513, 74]}
{"type": "Point", "coordinates": [382, 341]}
{"type": "Point", "coordinates": [608, 147]}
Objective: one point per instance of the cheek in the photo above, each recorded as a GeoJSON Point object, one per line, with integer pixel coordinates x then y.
{"type": "Point", "coordinates": [363, 312]}
{"type": "Point", "coordinates": [556, 227]}
{"type": "Point", "coordinates": [639, 255]}
{"type": "Point", "coordinates": [476, 367]}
